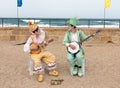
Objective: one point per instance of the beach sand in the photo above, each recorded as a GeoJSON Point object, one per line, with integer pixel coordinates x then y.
{"type": "Point", "coordinates": [102, 67]}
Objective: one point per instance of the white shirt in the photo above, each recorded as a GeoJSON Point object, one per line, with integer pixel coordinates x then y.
{"type": "Point", "coordinates": [74, 38]}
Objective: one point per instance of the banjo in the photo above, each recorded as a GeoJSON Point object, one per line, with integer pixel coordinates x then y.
{"type": "Point", "coordinates": [78, 44]}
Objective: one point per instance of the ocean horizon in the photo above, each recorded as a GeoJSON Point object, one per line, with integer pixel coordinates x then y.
{"type": "Point", "coordinates": [59, 22]}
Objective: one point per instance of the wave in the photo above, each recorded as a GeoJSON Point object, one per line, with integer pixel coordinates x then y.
{"type": "Point", "coordinates": [33, 21]}
{"type": "Point", "coordinates": [23, 22]}
{"type": "Point", "coordinates": [47, 25]}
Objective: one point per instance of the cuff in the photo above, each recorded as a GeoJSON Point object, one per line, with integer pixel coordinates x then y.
{"type": "Point", "coordinates": [67, 44]}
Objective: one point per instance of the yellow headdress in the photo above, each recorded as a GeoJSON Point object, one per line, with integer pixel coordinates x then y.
{"type": "Point", "coordinates": [32, 26]}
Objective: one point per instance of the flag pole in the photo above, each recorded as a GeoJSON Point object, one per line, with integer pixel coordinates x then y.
{"type": "Point", "coordinates": [104, 16]}
{"type": "Point", "coordinates": [106, 5]}
{"type": "Point", "coordinates": [17, 12]}
{"type": "Point", "coordinates": [104, 12]}
{"type": "Point", "coordinates": [18, 15]}
{"type": "Point", "coordinates": [19, 4]}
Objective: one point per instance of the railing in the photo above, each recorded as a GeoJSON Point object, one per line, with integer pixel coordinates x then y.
{"type": "Point", "coordinates": [60, 22]}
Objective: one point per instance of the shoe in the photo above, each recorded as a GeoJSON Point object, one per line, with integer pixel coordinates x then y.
{"type": "Point", "coordinates": [40, 78]}
{"type": "Point", "coordinates": [80, 72]}
{"type": "Point", "coordinates": [53, 73]}
{"type": "Point", "coordinates": [73, 70]}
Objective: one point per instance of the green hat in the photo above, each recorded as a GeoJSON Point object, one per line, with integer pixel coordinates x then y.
{"type": "Point", "coordinates": [72, 21]}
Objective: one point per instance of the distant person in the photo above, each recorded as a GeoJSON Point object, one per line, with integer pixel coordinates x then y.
{"type": "Point", "coordinates": [35, 46]}
{"type": "Point", "coordinates": [75, 54]}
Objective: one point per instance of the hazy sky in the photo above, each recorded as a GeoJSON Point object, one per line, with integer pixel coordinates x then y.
{"type": "Point", "coordinates": [60, 9]}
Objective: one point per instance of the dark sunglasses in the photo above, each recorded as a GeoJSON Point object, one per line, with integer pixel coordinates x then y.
{"type": "Point", "coordinates": [36, 30]}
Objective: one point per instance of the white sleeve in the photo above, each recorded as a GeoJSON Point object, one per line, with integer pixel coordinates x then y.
{"type": "Point", "coordinates": [27, 45]}
{"type": "Point", "coordinates": [67, 44]}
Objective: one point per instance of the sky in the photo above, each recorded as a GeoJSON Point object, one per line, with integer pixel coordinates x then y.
{"type": "Point", "coordinates": [59, 9]}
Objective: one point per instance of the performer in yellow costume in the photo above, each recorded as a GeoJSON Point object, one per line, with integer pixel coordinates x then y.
{"type": "Point", "coordinates": [35, 46]}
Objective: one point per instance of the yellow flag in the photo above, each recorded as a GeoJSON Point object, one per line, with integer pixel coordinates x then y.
{"type": "Point", "coordinates": [107, 3]}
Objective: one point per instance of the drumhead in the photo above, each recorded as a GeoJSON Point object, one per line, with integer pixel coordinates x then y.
{"type": "Point", "coordinates": [76, 49]}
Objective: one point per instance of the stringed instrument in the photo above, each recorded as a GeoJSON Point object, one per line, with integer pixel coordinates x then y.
{"type": "Point", "coordinates": [78, 44]}
{"type": "Point", "coordinates": [40, 47]}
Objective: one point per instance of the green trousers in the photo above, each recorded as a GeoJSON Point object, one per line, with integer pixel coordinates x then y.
{"type": "Point", "coordinates": [76, 59]}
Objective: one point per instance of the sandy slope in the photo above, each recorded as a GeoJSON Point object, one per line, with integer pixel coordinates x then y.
{"type": "Point", "coordinates": [102, 67]}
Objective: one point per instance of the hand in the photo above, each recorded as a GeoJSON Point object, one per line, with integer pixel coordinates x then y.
{"type": "Point", "coordinates": [34, 46]}
{"type": "Point", "coordinates": [33, 37]}
{"type": "Point", "coordinates": [72, 46]}
{"type": "Point", "coordinates": [93, 34]}
{"type": "Point", "coordinates": [46, 43]}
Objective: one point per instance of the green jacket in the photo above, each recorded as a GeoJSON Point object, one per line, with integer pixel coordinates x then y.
{"type": "Point", "coordinates": [67, 37]}
{"type": "Point", "coordinates": [80, 34]}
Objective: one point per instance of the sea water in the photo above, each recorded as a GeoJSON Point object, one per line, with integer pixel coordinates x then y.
{"type": "Point", "coordinates": [59, 22]}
